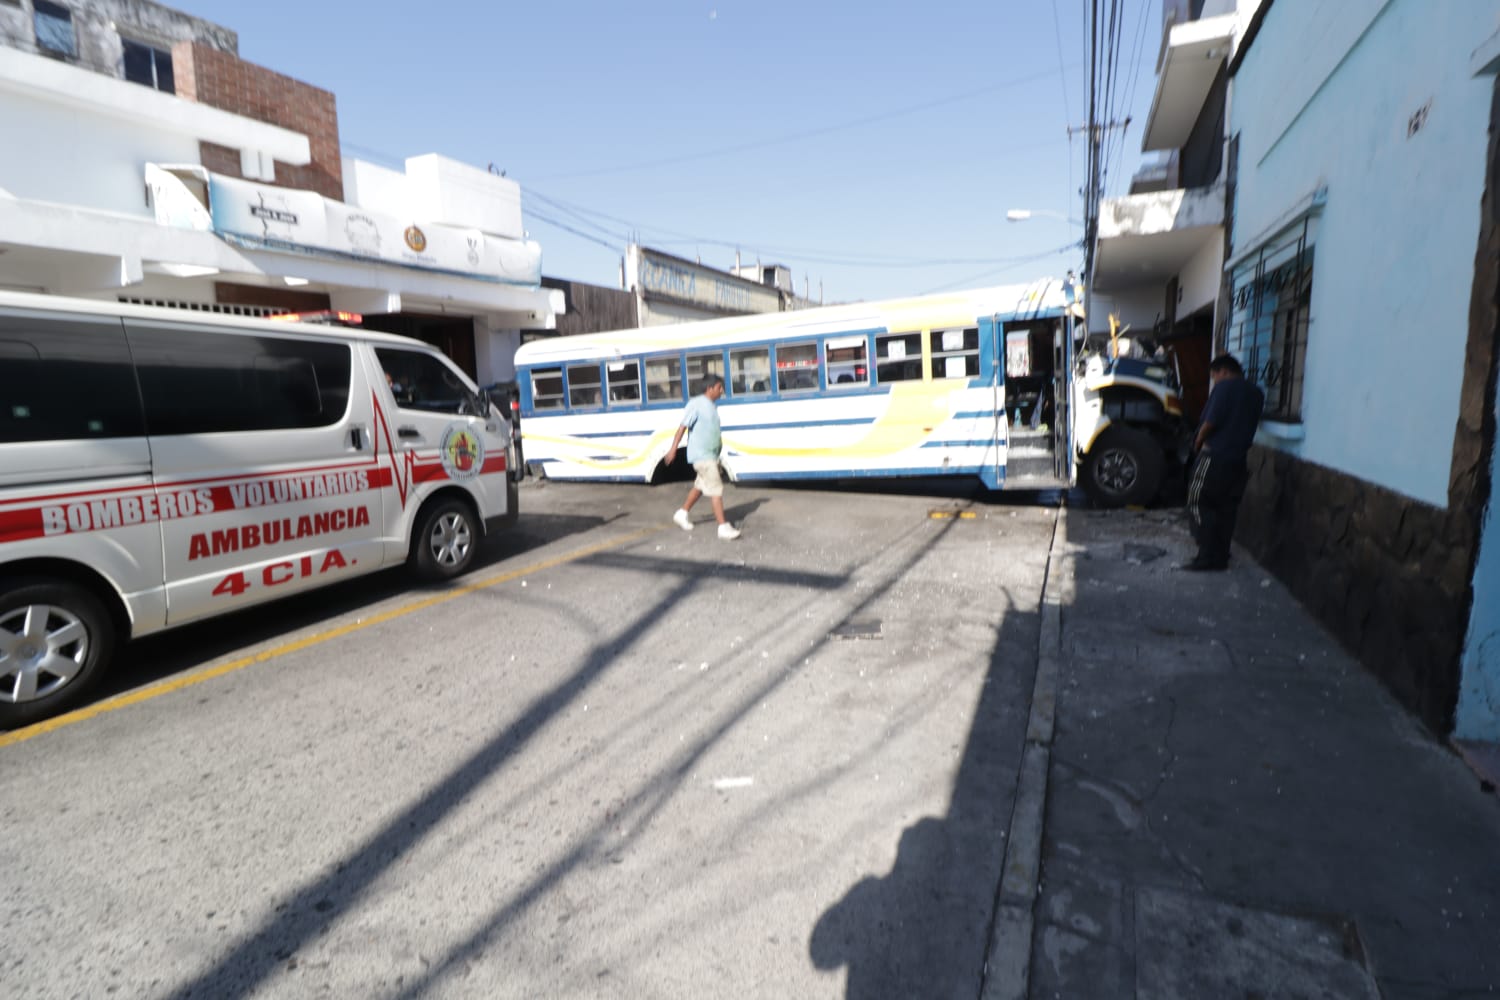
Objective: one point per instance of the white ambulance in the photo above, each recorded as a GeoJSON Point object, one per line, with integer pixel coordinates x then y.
{"type": "Point", "coordinates": [158, 467]}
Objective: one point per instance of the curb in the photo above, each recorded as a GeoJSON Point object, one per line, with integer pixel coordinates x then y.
{"type": "Point", "coordinates": [1007, 965]}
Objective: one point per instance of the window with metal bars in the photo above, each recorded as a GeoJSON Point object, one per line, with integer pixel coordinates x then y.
{"type": "Point", "coordinates": [1270, 319]}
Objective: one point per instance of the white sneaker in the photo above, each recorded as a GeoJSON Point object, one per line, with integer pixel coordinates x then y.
{"type": "Point", "coordinates": [683, 521]}
{"type": "Point", "coordinates": [728, 532]}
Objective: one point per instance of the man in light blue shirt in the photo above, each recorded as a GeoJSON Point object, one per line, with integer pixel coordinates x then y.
{"type": "Point", "coordinates": [700, 422]}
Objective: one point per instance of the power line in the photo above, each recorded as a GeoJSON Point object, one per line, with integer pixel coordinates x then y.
{"type": "Point", "coordinates": [1057, 33]}
{"type": "Point", "coordinates": [806, 134]}
{"type": "Point", "coordinates": [576, 232]}
{"type": "Point", "coordinates": [1011, 264]}
{"type": "Point", "coordinates": [801, 254]}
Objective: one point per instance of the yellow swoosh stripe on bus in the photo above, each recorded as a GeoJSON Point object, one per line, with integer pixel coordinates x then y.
{"type": "Point", "coordinates": [913, 411]}
{"type": "Point", "coordinates": [626, 459]}
{"type": "Point", "coordinates": [915, 408]}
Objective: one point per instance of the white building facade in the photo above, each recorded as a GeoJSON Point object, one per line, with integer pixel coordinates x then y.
{"type": "Point", "coordinates": [133, 172]}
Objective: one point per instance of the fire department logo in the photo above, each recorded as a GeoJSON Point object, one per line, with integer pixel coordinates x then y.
{"type": "Point", "coordinates": [462, 452]}
{"type": "Point", "coordinates": [415, 238]}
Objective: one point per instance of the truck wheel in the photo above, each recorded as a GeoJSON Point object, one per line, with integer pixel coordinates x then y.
{"type": "Point", "coordinates": [55, 639]}
{"type": "Point", "coordinates": [443, 545]}
{"type": "Point", "coordinates": [1123, 468]}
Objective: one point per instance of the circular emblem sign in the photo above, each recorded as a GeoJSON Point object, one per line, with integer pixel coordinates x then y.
{"type": "Point", "coordinates": [462, 452]}
{"type": "Point", "coordinates": [416, 239]}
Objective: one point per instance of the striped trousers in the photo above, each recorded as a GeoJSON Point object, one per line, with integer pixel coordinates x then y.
{"type": "Point", "coordinates": [1214, 492]}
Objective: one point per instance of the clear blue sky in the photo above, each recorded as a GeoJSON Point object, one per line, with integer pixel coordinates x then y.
{"type": "Point", "coordinates": [874, 147]}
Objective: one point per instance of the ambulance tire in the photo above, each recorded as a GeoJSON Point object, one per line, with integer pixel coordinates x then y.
{"type": "Point", "coordinates": [446, 538]}
{"type": "Point", "coordinates": [1123, 469]}
{"type": "Point", "coordinates": [63, 660]}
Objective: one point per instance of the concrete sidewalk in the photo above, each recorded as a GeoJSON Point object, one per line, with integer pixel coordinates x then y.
{"type": "Point", "coordinates": [1234, 807]}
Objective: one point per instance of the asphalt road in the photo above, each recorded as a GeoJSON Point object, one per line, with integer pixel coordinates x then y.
{"type": "Point", "coordinates": [618, 759]}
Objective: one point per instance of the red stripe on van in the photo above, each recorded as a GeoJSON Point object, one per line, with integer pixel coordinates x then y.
{"type": "Point", "coordinates": [19, 525]}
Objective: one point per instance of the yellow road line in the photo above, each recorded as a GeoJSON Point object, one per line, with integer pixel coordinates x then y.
{"type": "Point", "coordinates": [209, 673]}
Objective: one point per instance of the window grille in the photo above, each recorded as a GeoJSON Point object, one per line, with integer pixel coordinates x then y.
{"type": "Point", "coordinates": [1270, 319]}
{"type": "Point", "coordinates": [255, 312]}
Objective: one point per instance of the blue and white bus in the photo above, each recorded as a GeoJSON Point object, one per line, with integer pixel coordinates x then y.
{"type": "Point", "coordinates": [978, 383]}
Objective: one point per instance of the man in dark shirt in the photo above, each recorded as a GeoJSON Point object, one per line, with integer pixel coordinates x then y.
{"type": "Point", "coordinates": [1219, 476]}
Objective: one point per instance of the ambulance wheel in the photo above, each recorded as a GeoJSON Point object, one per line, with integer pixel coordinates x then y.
{"type": "Point", "coordinates": [443, 545]}
{"type": "Point", "coordinates": [1124, 468]}
{"type": "Point", "coordinates": [55, 639]}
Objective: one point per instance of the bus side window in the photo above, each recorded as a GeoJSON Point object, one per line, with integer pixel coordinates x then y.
{"type": "Point", "coordinates": [547, 389]}
{"type": "Point", "coordinates": [624, 382]}
{"type": "Point", "coordinates": [664, 379]}
{"type": "Point", "coordinates": [749, 371]}
{"type": "Point", "coordinates": [847, 362]}
{"type": "Point", "coordinates": [583, 385]}
{"type": "Point", "coordinates": [955, 353]}
{"type": "Point", "coordinates": [797, 367]}
{"type": "Point", "coordinates": [700, 366]}
{"type": "Point", "coordinates": [898, 357]}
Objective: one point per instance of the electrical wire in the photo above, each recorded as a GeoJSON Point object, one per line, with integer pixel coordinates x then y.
{"type": "Point", "coordinates": [1013, 263]}
{"type": "Point", "coordinates": [805, 134]}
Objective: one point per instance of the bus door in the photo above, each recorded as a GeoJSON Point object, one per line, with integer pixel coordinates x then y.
{"type": "Point", "coordinates": [989, 330]}
{"type": "Point", "coordinates": [1031, 396]}
{"type": "Point", "coordinates": [1062, 395]}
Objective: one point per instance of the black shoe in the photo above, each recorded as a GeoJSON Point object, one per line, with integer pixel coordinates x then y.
{"type": "Point", "coordinates": [1200, 566]}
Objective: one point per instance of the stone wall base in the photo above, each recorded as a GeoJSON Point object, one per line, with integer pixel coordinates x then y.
{"type": "Point", "coordinates": [1386, 574]}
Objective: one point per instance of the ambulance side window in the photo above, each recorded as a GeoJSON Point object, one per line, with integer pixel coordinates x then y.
{"type": "Point", "coordinates": [201, 382]}
{"type": "Point", "coordinates": [421, 381]}
{"type": "Point", "coordinates": [65, 380]}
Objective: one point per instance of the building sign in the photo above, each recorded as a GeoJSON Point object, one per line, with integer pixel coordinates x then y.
{"type": "Point", "coordinates": [266, 217]}
{"type": "Point", "coordinates": [665, 277]}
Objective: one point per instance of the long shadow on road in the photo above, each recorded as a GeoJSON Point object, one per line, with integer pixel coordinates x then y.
{"type": "Point", "coordinates": [922, 929]}
{"type": "Point", "coordinates": [167, 653]}
{"type": "Point", "coordinates": [312, 909]}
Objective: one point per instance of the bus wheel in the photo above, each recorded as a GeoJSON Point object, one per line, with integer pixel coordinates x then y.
{"type": "Point", "coordinates": [444, 542]}
{"type": "Point", "coordinates": [55, 639]}
{"type": "Point", "coordinates": [1123, 468]}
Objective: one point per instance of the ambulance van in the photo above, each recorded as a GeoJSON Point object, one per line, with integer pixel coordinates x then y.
{"type": "Point", "coordinates": [159, 467]}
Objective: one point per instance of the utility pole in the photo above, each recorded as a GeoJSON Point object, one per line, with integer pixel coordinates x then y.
{"type": "Point", "coordinates": [1094, 189]}
{"type": "Point", "coordinates": [1091, 196]}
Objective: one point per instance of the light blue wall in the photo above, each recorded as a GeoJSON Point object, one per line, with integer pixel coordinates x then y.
{"type": "Point", "coordinates": [1325, 96]}
{"type": "Point", "coordinates": [1478, 715]}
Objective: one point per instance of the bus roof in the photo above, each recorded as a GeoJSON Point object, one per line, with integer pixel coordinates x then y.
{"type": "Point", "coordinates": [1037, 300]}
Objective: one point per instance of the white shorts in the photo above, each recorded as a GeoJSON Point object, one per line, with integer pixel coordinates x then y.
{"type": "Point", "coordinates": [708, 482]}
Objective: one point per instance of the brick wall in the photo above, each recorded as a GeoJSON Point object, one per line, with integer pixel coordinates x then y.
{"type": "Point", "coordinates": [225, 81]}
